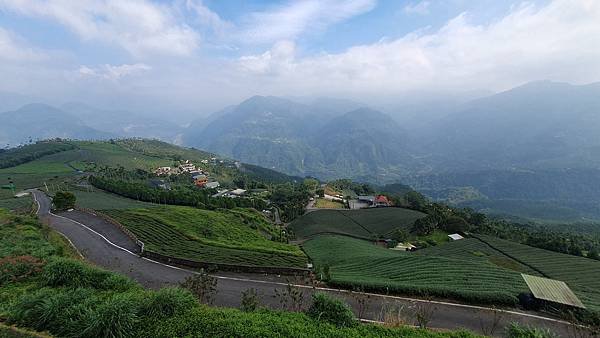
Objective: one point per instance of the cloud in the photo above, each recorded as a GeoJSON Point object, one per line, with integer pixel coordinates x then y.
{"type": "Point", "coordinates": [278, 60]}
{"type": "Point", "coordinates": [421, 7]}
{"type": "Point", "coordinates": [207, 17]}
{"type": "Point", "coordinates": [113, 72]}
{"type": "Point", "coordinates": [560, 41]}
{"type": "Point", "coordinates": [297, 17]}
{"type": "Point", "coordinates": [138, 26]}
{"type": "Point", "coordinates": [12, 48]}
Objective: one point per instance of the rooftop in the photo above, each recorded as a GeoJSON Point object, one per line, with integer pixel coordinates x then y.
{"type": "Point", "coordinates": [552, 290]}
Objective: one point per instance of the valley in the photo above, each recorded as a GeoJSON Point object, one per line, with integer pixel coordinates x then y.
{"type": "Point", "coordinates": [314, 168]}
{"type": "Point", "coordinates": [506, 164]}
{"type": "Point", "coordinates": [180, 223]}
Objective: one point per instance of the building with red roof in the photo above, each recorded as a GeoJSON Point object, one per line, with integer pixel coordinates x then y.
{"type": "Point", "coordinates": [382, 201]}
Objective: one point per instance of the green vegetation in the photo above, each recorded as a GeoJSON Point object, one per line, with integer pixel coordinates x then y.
{"type": "Point", "coordinates": [581, 274]}
{"type": "Point", "coordinates": [63, 200]}
{"type": "Point", "coordinates": [237, 236]}
{"type": "Point", "coordinates": [98, 199]}
{"type": "Point", "coordinates": [22, 204]}
{"type": "Point", "coordinates": [365, 223]}
{"type": "Point", "coordinates": [519, 331]}
{"type": "Point", "coordinates": [326, 204]}
{"type": "Point", "coordinates": [472, 249]}
{"type": "Point", "coordinates": [331, 310]}
{"type": "Point", "coordinates": [354, 263]}
{"type": "Point", "coordinates": [70, 298]}
{"type": "Point", "coordinates": [15, 332]}
{"type": "Point", "coordinates": [30, 152]}
{"type": "Point", "coordinates": [179, 195]}
{"type": "Point", "coordinates": [482, 269]}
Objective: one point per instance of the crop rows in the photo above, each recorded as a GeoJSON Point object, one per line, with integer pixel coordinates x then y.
{"type": "Point", "coordinates": [365, 223]}
{"type": "Point", "coordinates": [472, 249]}
{"type": "Point", "coordinates": [357, 263]}
{"type": "Point", "coordinates": [581, 274]}
{"type": "Point", "coordinates": [383, 220]}
{"type": "Point", "coordinates": [165, 239]}
{"type": "Point", "coordinates": [436, 276]}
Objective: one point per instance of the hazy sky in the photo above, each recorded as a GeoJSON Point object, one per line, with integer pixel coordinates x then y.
{"type": "Point", "coordinates": [197, 56]}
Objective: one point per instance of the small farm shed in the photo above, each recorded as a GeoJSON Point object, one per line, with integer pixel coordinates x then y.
{"type": "Point", "coordinates": [551, 290]}
{"type": "Point", "coordinates": [455, 237]}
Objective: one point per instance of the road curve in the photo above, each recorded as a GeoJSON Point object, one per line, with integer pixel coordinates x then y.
{"type": "Point", "coordinates": [101, 250]}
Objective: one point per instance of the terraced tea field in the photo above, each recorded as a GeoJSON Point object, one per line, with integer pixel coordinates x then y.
{"type": "Point", "coordinates": [483, 269]}
{"type": "Point", "coordinates": [335, 249]}
{"type": "Point", "coordinates": [581, 274]}
{"type": "Point", "coordinates": [476, 250]}
{"type": "Point", "coordinates": [357, 263]}
{"type": "Point", "coordinates": [234, 237]}
{"type": "Point", "coordinates": [98, 199]}
{"type": "Point", "coordinates": [365, 223]}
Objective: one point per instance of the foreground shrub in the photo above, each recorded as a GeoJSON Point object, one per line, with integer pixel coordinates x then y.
{"type": "Point", "coordinates": [72, 273]}
{"type": "Point", "coordinates": [115, 282]}
{"type": "Point", "coordinates": [15, 269]}
{"type": "Point", "coordinates": [64, 200]}
{"type": "Point", "coordinates": [65, 272]}
{"type": "Point", "coordinates": [515, 330]}
{"type": "Point", "coordinates": [250, 300]}
{"type": "Point", "coordinates": [51, 310]}
{"type": "Point", "coordinates": [214, 322]}
{"type": "Point", "coordinates": [202, 285]}
{"type": "Point", "coordinates": [168, 302]}
{"type": "Point", "coordinates": [329, 309]}
{"type": "Point", "coordinates": [115, 317]}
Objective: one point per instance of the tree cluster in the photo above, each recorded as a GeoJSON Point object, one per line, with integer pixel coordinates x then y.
{"type": "Point", "coordinates": [27, 153]}
{"type": "Point", "coordinates": [180, 195]}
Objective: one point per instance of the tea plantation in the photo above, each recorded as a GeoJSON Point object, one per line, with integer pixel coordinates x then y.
{"type": "Point", "coordinates": [354, 263]}
{"type": "Point", "coordinates": [42, 289]}
{"type": "Point", "coordinates": [364, 223]}
{"type": "Point", "coordinates": [581, 274]}
{"type": "Point", "coordinates": [238, 236]}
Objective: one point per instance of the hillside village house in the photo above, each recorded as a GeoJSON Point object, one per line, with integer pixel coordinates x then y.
{"type": "Point", "coordinates": [201, 181]}
{"type": "Point", "coordinates": [382, 201]}
{"type": "Point", "coordinates": [212, 185]}
{"type": "Point", "coordinates": [187, 167]}
{"type": "Point", "coordinates": [162, 171]}
{"type": "Point", "coordinates": [373, 201]}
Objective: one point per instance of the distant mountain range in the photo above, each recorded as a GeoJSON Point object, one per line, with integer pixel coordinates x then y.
{"type": "Point", "coordinates": [38, 121]}
{"type": "Point", "coordinates": [540, 125]}
{"type": "Point", "coordinates": [318, 139]}
{"type": "Point", "coordinates": [512, 152]}
{"type": "Point", "coordinates": [464, 152]}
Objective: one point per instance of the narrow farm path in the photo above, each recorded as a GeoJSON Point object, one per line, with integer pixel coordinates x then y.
{"type": "Point", "coordinates": [97, 248]}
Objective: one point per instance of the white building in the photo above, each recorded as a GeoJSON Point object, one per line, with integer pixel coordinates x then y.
{"type": "Point", "coordinates": [212, 185]}
{"type": "Point", "coordinates": [187, 167]}
{"type": "Point", "coordinates": [455, 237]}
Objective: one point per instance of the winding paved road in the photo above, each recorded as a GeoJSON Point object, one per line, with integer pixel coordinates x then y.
{"type": "Point", "coordinates": [107, 248]}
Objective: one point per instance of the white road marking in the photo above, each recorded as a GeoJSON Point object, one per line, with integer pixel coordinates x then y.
{"type": "Point", "coordinates": [517, 313]}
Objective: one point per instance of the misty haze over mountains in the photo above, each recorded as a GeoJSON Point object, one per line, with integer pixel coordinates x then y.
{"type": "Point", "coordinates": [542, 134]}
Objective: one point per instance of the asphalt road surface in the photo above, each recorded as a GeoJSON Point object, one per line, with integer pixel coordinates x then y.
{"type": "Point", "coordinates": [99, 243]}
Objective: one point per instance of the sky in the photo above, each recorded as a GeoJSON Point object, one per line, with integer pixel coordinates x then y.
{"type": "Point", "coordinates": [192, 57]}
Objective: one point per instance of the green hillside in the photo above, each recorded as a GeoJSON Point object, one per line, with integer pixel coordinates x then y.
{"type": "Point", "coordinates": [355, 263]}
{"type": "Point", "coordinates": [42, 289]}
{"type": "Point", "coordinates": [364, 223]}
{"type": "Point", "coordinates": [237, 236]}
{"type": "Point", "coordinates": [482, 269]}
{"type": "Point", "coordinates": [581, 274]}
